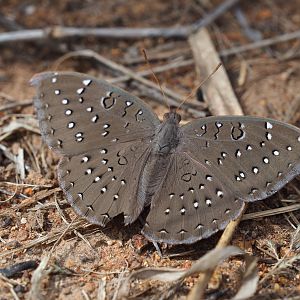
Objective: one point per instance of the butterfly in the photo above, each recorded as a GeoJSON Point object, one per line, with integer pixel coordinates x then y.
{"type": "Point", "coordinates": [119, 158]}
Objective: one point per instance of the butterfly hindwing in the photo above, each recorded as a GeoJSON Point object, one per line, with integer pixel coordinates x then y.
{"type": "Point", "coordinates": [191, 204]}
{"type": "Point", "coordinates": [100, 184]}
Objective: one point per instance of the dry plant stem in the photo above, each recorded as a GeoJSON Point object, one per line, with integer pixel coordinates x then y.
{"type": "Point", "coordinates": [15, 104]}
{"type": "Point", "coordinates": [218, 91]}
{"type": "Point", "coordinates": [263, 43]}
{"type": "Point", "coordinates": [179, 50]}
{"type": "Point", "coordinates": [244, 48]}
{"type": "Point", "coordinates": [271, 212]}
{"type": "Point", "coordinates": [221, 101]}
{"type": "Point", "coordinates": [174, 98]}
{"type": "Point", "coordinates": [49, 238]}
{"type": "Point", "coordinates": [59, 32]}
{"type": "Point", "coordinates": [159, 69]}
{"type": "Point", "coordinates": [198, 290]}
{"type": "Point", "coordinates": [10, 283]}
{"type": "Point", "coordinates": [117, 67]}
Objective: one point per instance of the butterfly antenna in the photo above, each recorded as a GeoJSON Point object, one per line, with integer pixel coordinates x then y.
{"type": "Point", "coordinates": [155, 78]}
{"type": "Point", "coordinates": [198, 86]}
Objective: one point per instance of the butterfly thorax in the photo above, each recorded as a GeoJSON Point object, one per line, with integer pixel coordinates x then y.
{"type": "Point", "coordinates": [167, 136]}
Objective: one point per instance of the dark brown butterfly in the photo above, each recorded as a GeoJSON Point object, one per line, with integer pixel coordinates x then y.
{"type": "Point", "coordinates": [119, 158]}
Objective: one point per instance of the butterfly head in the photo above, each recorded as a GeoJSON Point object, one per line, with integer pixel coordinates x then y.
{"type": "Point", "coordinates": [172, 116]}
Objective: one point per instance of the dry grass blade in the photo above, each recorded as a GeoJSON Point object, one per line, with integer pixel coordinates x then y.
{"type": "Point", "coordinates": [250, 280]}
{"type": "Point", "coordinates": [199, 288]}
{"type": "Point", "coordinates": [37, 197]}
{"type": "Point", "coordinates": [49, 238]}
{"type": "Point", "coordinates": [101, 294]}
{"type": "Point", "coordinates": [173, 98]}
{"type": "Point", "coordinates": [39, 273]}
{"type": "Point", "coordinates": [218, 91]}
{"type": "Point", "coordinates": [295, 241]}
{"type": "Point", "coordinates": [10, 283]}
{"type": "Point", "coordinates": [20, 164]}
{"type": "Point", "coordinates": [29, 123]}
{"type": "Point", "coordinates": [206, 263]}
{"type": "Point", "coordinates": [36, 279]}
{"type": "Point", "coordinates": [271, 212]}
{"type": "Point", "coordinates": [15, 104]}
{"type": "Point", "coordinates": [288, 262]}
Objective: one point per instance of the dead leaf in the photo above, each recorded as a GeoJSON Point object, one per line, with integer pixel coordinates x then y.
{"type": "Point", "coordinates": [206, 263]}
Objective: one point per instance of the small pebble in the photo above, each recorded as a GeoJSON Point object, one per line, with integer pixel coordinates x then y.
{"type": "Point", "coordinates": [110, 242]}
{"type": "Point", "coordinates": [23, 221]}
{"type": "Point", "coordinates": [6, 221]}
{"type": "Point", "coordinates": [19, 288]}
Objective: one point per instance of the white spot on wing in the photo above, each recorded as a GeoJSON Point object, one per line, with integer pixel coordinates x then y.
{"type": "Point", "coordinates": [269, 136]}
{"type": "Point", "coordinates": [71, 125]}
{"type": "Point", "coordinates": [86, 82]}
{"type": "Point", "coordinates": [80, 91]}
{"type": "Point", "coordinates": [269, 125]}
{"type": "Point", "coordinates": [88, 171]}
{"type": "Point", "coordinates": [85, 159]}
{"type": "Point", "coordinates": [208, 202]}
{"type": "Point", "coordinates": [95, 118]}
{"type": "Point", "coordinates": [238, 153]}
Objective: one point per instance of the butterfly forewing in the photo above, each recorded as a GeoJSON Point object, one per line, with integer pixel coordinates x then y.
{"type": "Point", "coordinates": [255, 157]}
{"type": "Point", "coordinates": [103, 134]}
{"type": "Point", "coordinates": [78, 113]}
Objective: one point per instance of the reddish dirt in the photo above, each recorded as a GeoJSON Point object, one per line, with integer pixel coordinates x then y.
{"type": "Point", "coordinates": [89, 255]}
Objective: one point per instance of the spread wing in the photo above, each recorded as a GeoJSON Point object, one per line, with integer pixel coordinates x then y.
{"type": "Point", "coordinates": [220, 163]}
{"type": "Point", "coordinates": [103, 134]}
{"type": "Point", "coordinates": [101, 184]}
{"type": "Point", "coordinates": [78, 112]}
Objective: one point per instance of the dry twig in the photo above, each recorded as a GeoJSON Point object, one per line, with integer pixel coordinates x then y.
{"type": "Point", "coordinates": [173, 99]}
{"type": "Point", "coordinates": [60, 32]}
{"type": "Point", "coordinates": [221, 100]}
{"type": "Point", "coordinates": [218, 92]}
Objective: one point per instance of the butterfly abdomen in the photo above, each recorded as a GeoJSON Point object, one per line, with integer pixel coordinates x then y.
{"type": "Point", "coordinates": [158, 162]}
{"type": "Point", "coordinates": [152, 176]}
